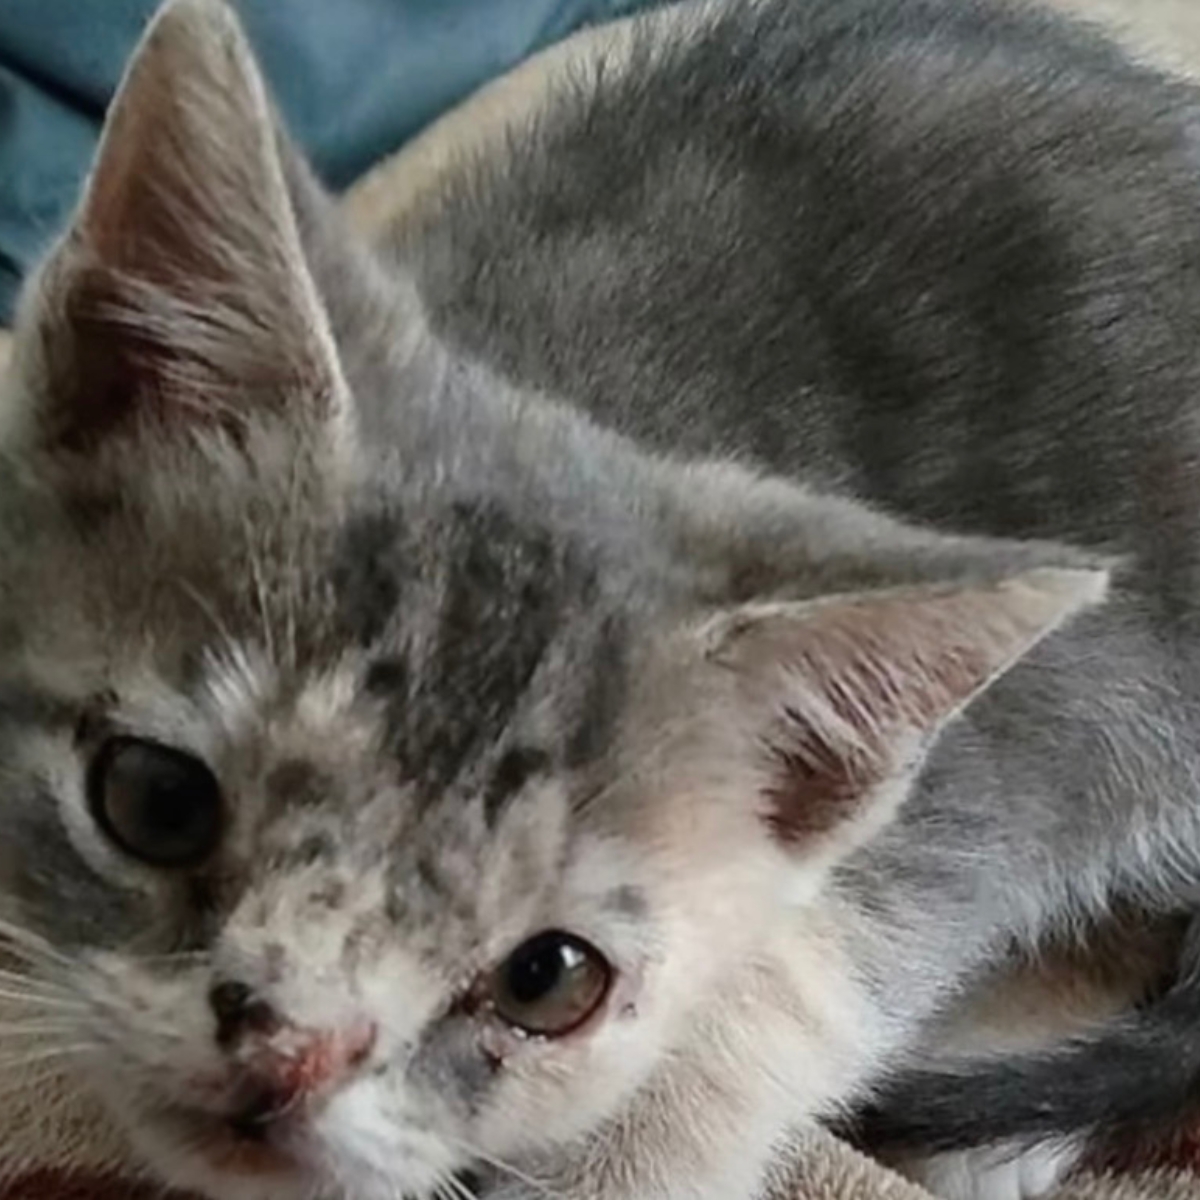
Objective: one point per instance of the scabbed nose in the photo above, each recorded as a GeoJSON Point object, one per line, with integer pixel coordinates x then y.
{"type": "Point", "coordinates": [282, 1066]}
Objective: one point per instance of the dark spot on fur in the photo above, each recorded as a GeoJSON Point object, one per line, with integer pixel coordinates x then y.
{"type": "Point", "coordinates": [426, 883]}
{"type": "Point", "coordinates": [359, 941]}
{"type": "Point", "coordinates": [501, 589]}
{"type": "Point", "coordinates": [387, 678]}
{"type": "Point", "coordinates": [313, 848]}
{"type": "Point", "coordinates": [295, 783]}
{"type": "Point", "coordinates": [367, 574]}
{"type": "Point", "coordinates": [331, 894]}
{"type": "Point", "coordinates": [515, 769]}
{"type": "Point", "coordinates": [496, 622]}
{"type": "Point", "coordinates": [429, 876]}
{"type": "Point", "coordinates": [274, 958]}
{"type": "Point", "coordinates": [202, 894]}
{"type": "Point", "coordinates": [627, 900]}
{"type": "Point", "coordinates": [94, 723]}
{"type": "Point", "coordinates": [600, 706]}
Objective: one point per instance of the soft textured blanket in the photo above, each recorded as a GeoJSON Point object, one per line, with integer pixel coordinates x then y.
{"type": "Point", "coordinates": [56, 1146]}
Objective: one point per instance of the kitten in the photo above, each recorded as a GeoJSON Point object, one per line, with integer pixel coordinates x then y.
{"type": "Point", "coordinates": [566, 696]}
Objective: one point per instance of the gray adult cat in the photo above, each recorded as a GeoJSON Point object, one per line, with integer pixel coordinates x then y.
{"type": "Point", "coordinates": [464, 706]}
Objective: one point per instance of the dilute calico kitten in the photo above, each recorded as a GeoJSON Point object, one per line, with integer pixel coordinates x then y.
{"type": "Point", "coordinates": [566, 696]}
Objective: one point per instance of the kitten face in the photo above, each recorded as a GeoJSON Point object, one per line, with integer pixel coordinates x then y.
{"type": "Point", "coordinates": [379, 812]}
{"type": "Point", "coordinates": [379, 808]}
{"type": "Point", "coordinates": [396, 812]}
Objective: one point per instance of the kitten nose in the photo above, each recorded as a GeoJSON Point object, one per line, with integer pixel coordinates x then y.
{"type": "Point", "coordinates": [239, 1011]}
{"type": "Point", "coordinates": [282, 1075]}
{"type": "Point", "coordinates": [280, 1065]}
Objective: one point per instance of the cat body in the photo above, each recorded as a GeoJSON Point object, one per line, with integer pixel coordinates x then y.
{"type": "Point", "coordinates": [951, 389]}
{"type": "Point", "coordinates": [568, 694]}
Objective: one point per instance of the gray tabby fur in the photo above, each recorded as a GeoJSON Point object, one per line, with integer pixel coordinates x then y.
{"type": "Point", "coordinates": [681, 538]}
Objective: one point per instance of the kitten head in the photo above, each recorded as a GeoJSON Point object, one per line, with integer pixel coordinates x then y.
{"type": "Point", "coordinates": [394, 765]}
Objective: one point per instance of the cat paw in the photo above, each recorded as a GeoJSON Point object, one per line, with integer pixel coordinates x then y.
{"type": "Point", "coordinates": [994, 1172]}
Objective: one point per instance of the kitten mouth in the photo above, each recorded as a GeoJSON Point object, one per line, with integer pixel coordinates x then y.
{"type": "Point", "coordinates": [237, 1151]}
{"type": "Point", "coordinates": [261, 1113]}
{"type": "Point", "coordinates": [266, 1150]}
{"type": "Point", "coordinates": [238, 1155]}
{"type": "Point", "coordinates": [251, 1142]}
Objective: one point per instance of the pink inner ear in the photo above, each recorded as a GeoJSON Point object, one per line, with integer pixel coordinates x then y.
{"type": "Point", "coordinates": [105, 371]}
{"type": "Point", "coordinates": [870, 677]}
{"type": "Point", "coordinates": [814, 785]}
{"type": "Point", "coordinates": [124, 355]}
{"type": "Point", "coordinates": [181, 299]}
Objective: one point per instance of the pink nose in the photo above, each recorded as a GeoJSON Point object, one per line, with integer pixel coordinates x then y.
{"type": "Point", "coordinates": [284, 1072]}
{"type": "Point", "coordinates": [281, 1065]}
{"type": "Point", "coordinates": [310, 1060]}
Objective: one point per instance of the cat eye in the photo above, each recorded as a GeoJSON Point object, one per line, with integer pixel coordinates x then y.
{"type": "Point", "coordinates": [550, 984]}
{"type": "Point", "coordinates": [157, 804]}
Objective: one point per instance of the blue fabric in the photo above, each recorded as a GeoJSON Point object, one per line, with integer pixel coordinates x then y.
{"type": "Point", "coordinates": [355, 80]}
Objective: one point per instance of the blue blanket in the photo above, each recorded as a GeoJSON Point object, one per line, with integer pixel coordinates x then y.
{"type": "Point", "coordinates": [355, 79]}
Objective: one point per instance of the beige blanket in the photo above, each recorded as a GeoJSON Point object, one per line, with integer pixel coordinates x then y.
{"type": "Point", "coordinates": [55, 1146]}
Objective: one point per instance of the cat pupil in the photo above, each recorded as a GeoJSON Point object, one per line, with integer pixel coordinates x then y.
{"type": "Point", "coordinates": [166, 811]}
{"type": "Point", "coordinates": [535, 972]}
{"type": "Point", "coordinates": [155, 803]}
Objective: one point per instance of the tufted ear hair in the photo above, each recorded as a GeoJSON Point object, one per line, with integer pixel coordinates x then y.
{"type": "Point", "coordinates": [180, 297]}
{"type": "Point", "coordinates": [828, 707]}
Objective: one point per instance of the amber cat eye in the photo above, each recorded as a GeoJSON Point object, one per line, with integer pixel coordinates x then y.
{"type": "Point", "coordinates": [550, 984]}
{"type": "Point", "coordinates": [156, 804]}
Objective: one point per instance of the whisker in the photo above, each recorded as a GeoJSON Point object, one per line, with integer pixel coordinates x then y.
{"type": "Point", "coordinates": [29, 978]}
{"type": "Point", "coordinates": [36, 999]}
{"type": "Point", "coordinates": [175, 956]}
{"type": "Point", "coordinates": [18, 938]}
{"type": "Point", "coordinates": [295, 504]}
{"type": "Point", "coordinates": [74, 1050]}
{"type": "Point", "coordinates": [32, 1079]}
{"type": "Point", "coordinates": [50, 1052]}
{"type": "Point", "coordinates": [180, 958]}
{"type": "Point", "coordinates": [206, 610]}
{"type": "Point", "coordinates": [501, 1165]}
{"type": "Point", "coordinates": [24, 959]}
{"type": "Point", "coordinates": [32, 963]}
{"type": "Point", "coordinates": [455, 1188]}
{"type": "Point", "coordinates": [260, 592]}
{"type": "Point", "coordinates": [23, 987]}
{"type": "Point", "coordinates": [35, 1028]}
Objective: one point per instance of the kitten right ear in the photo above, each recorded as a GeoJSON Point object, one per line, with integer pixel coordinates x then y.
{"type": "Point", "coordinates": [180, 297]}
{"type": "Point", "coordinates": [822, 711]}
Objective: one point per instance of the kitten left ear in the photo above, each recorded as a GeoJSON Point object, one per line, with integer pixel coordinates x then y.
{"type": "Point", "coordinates": [834, 703]}
{"type": "Point", "coordinates": [180, 296]}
